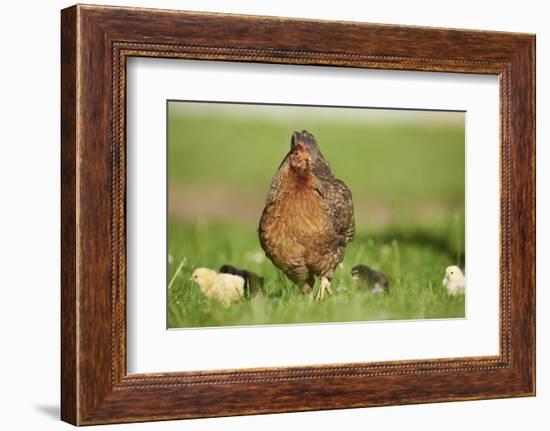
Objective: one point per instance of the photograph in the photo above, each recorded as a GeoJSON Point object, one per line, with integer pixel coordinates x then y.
{"type": "Point", "coordinates": [297, 214]}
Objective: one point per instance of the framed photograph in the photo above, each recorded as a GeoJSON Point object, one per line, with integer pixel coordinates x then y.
{"type": "Point", "coordinates": [264, 215]}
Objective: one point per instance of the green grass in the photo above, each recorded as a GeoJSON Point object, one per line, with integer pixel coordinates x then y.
{"type": "Point", "coordinates": [413, 257]}
{"type": "Point", "coordinates": [407, 181]}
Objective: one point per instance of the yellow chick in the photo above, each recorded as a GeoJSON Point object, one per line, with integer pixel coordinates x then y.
{"type": "Point", "coordinates": [225, 288]}
{"type": "Point", "coordinates": [454, 281]}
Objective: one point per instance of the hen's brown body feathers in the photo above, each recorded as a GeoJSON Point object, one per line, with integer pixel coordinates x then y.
{"type": "Point", "coordinates": [308, 218]}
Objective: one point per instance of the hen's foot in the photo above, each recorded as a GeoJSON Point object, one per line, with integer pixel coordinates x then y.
{"type": "Point", "coordinates": [325, 285]}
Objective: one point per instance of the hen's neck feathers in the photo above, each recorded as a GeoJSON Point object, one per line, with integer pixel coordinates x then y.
{"type": "Point", "coordinates": [294, 180]}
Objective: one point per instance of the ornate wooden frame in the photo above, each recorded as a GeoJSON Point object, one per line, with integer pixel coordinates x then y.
{"type": "Point", "coordinates": [95, 43]}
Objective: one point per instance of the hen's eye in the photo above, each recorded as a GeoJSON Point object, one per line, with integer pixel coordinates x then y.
{"type": "Point", "coordinates": [452, 272]}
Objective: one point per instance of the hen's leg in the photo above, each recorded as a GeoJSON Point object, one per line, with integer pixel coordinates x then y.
{"type": "Point", "coordinates": [325, 285]}
{"type": "Point", "coordinates": [307, 288]}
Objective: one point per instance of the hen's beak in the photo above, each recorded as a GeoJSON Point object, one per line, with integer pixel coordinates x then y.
{"type": "Point", "coordinates": [301, 149]}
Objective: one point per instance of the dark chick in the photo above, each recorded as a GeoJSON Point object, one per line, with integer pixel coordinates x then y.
{"type": "Point", "coordinates": [368, 278]}
{"type": "Point", "coordinates": [253, 283]}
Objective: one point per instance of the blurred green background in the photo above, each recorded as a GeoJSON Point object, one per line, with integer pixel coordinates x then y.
{"type": "Point", "coordinates": [406, 170]}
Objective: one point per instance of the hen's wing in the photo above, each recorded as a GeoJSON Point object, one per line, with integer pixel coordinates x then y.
{"type": "Point", "coordinates": [274, 188]}
{"type": "Point", "coordinates": [339, 204]}
{"type": "Point", "coordinates": [273, 193]}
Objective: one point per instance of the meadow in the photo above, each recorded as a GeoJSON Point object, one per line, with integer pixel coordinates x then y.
{"type": "Point", "coordinates": [407, 180]}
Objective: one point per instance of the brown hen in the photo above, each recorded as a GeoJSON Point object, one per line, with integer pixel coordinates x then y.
{"type": "Point", "coordinates": [308, 217]}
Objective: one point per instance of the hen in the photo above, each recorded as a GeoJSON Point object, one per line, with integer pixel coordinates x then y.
{"type": "Point", "coordinates": [308, 217]}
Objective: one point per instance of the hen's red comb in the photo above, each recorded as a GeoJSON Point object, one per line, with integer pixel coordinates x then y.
{"type": "Point", "coordinates": [301, 147]}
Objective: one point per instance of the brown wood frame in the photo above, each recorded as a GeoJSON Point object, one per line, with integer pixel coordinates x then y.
{"type": "Point", "coordinates": [95, 43]}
